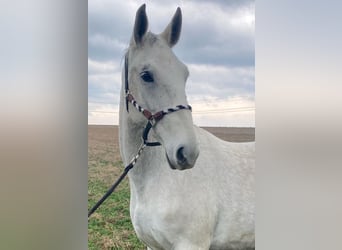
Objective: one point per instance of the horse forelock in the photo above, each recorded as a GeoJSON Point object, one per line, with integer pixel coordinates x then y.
{"type": "Point", "coordinates": [149, 39]}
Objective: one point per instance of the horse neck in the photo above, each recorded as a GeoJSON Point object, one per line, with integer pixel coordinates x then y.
{"type": "Point", "coordinates": [131, 128]}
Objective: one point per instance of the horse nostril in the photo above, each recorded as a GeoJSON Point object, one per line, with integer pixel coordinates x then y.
{"type": "Point", "coordinates": [180, 156]}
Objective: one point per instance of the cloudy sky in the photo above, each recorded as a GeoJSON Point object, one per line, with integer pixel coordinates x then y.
{"type": "Point", "coordinates": [217, 45]}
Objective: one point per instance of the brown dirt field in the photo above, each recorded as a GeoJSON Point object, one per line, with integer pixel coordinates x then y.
{"type": "Point", "coordinates": [233, 134]}
{"type": "Point", "coordinates": [103, 153]}
{"type": "Point", "coordinates": [103, 140]}
{"type": "Point", "coordinates": [102, 137]}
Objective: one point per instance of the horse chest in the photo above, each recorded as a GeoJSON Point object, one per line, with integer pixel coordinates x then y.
{"type": "Point", "coordinates": [150, 224]}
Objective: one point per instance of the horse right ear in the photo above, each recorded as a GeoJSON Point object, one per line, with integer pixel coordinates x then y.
{"type": "Point", "coordinates": [140, 25]}
{"type": "Point", "coordinates": [172, 32]}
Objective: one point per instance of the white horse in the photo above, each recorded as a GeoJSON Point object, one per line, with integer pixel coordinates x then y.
{"type": "Point", "coordinates": [208, 205]}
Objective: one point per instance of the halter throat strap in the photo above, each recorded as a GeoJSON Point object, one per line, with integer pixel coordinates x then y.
{"type": "Point", "coordinates": [126, 80]}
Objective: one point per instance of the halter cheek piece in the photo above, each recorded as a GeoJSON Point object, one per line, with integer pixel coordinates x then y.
{"type": "Point", "coordinates": [152, 119]}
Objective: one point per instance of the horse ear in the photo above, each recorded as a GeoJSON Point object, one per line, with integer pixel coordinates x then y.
{"type": "Point", "coordinates": [140, 25]}
{"type": "Point", "coordinates": [172, 32]}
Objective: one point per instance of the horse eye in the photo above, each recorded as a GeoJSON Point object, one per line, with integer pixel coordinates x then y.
{"type": "Point", "coordinates": [146, 76]}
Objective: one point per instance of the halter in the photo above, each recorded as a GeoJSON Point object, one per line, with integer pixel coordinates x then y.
{"type": "Point", "coordinates": [152, 119]}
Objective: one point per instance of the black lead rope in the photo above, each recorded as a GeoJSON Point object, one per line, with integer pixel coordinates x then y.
{"type": "Point", "coordinates": [126, 80]}
{"type": "Point", "coordinates": [111, 190]}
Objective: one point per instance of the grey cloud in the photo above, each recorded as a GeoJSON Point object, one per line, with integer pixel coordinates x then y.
{"type": "Point", "coordinates": [232, 3]}
{"type": "Point", "coordinates": [208, 37]}
{"type": "Point", "coordinates": [102, 47]}
{"type": "Point", "coordinates": [198, 45]}
{"type": "Point", "coordinates": [221, 81]}
{"type": "Point", "coordinates": [102, 87]}
{"type": "Point", "coordinates": [202, 40]}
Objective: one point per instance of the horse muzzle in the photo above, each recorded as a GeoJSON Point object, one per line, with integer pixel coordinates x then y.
{"type": "Point", "coordinates": [184, 157]}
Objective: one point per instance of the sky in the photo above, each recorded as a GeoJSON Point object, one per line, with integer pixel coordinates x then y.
{"type": "Point", "coordinates": [216, 43]}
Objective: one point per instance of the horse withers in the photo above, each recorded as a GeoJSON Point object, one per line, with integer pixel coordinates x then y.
{"type": "Point", "coordinates": [194, 191]}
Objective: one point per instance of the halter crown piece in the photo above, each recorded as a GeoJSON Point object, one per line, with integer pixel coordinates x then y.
{"type": "Point", "coordinates": [152, 119]}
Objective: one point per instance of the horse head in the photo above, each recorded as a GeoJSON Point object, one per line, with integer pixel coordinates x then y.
{"type": "Point", "coordinates": [157, 80]}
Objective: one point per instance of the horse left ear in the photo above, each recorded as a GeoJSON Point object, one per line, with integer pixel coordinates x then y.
{"type": "Point", "coordinates": [172, 32]}
{"type": "Point", "coordinates": [140, 25]}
